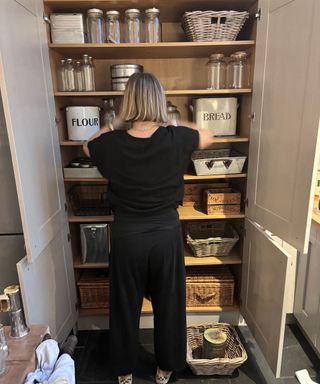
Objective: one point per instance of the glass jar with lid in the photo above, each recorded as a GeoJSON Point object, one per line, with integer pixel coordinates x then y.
{"type": "Point", "coordinates": [152, 26]}
{"type": "Point", "coordinates": [109, 113]}
{"type": "Point", "coordinates": [217, 69]}
{"type": "Point", "coordinates": [173, 114]}
{"type": "Point", "coordinates": [112, 27]}
{"type": "Point", "coordinates": [238, 71]}
{"type": "Point", "coordinates": [95, 26]}
{"type": "Point", "coordinates": [132, 26]}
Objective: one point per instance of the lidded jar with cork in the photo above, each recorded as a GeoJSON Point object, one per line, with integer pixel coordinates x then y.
{"type": "Point", "coordinates": [238, 71]}
{"type": "Point", "coordinates": [132, 26]}
{"type": "Point", "coordinates": [217, 70]}
{"type": "Point", "coordinates": [112, 27]}
{"type": "Point", "coordinates": [152, 26]}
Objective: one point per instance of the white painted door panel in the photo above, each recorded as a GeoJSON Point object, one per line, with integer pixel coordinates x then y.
{"type": "Point", "coordinates": [264, 292]}
{"type": "Point", "coordinates": [30, 5]}
{"type": "Point", "coordinates": [29, 112]}
{"type": "Point", "coordinates": [284, 133]}
{"type": "Point", "coordinates": [307, 298]}
{"type": "Point", "coordinates": [47, 287]}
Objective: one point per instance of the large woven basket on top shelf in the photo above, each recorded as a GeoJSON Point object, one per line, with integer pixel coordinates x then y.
{"type": "Point", "coordinates": [235, 353]}
{"type": "Point", "coordinates": [213, 238]}
{"type": "Point", "coordinates": [213, 25]}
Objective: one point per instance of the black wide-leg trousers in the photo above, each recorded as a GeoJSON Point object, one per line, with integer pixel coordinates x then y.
{"type": "Point", "coordinates": [147, 258]}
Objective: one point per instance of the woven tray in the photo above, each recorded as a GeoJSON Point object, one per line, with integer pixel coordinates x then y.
{"type": "Point", "coordinates": [211, 238]}
{"type": "Point", "coordinates": [213, 25]}
{"type": "Point", "coordinates": [234, 357]}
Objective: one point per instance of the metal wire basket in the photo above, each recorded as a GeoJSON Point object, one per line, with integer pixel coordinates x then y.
{"type": "Point", "coordinates": [89, 200]}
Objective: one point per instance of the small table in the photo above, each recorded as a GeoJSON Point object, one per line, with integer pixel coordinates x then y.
{"type": "Point", "coordinates": [22, 359]}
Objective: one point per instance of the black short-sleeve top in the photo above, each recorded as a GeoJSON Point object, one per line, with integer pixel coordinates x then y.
{"type": "Point", "coordinates": [145, 174]}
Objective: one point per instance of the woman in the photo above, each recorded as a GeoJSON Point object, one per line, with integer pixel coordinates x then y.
{"type": "Point", "coordinates": [145, 167]}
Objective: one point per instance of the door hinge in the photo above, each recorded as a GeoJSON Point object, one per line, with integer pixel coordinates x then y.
{"type": "Point", "coordinates": [257, 15]}
{"type": "Point", "coordinates": [46, 19]}
{"type": "Point", "coordinates": [69, 237]}
{"type": "Point", "coordinates": [65, 207]}
{"type": "Point", "coordinates": [77, 306]}
{"type": "Point", "coordinates": [246, 202]}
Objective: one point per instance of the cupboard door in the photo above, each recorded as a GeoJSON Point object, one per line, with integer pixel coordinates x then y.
{"type": "Point", "coordinates": [48, 287]}
{"type": "Point", "coordinates": [284, 132]}
{"type": "Point", "coordinates": [264, 292]}
{"type": "Point", "coordinates": [29, 112]}
{"type": "Point", "coordinates": [307, 299]}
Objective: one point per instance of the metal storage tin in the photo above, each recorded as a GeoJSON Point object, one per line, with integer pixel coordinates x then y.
{"type": "Point", "coordinates": [218, 115]}
{"type": "Point", "coordinates": [120, 74]}
{"type": "Point", "coordinates": [82, 122]}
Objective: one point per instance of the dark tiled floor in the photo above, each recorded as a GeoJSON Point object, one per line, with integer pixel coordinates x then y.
{"type": "Point", "coordinates": [92, 362]}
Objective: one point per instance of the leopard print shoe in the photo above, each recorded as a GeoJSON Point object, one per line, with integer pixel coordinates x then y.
{"type": "Point", "coordinates": [162, 377]}
{"type": "Point", "coordinates": [125, 379]}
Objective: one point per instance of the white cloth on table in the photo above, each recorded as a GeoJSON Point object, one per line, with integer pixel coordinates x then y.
{"type": "Point", "coordinates": [50, 368]}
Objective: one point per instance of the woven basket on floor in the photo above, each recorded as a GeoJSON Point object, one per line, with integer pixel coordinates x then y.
{"type": "Point", "coordinates": [235, 353]}
{"type": "Point", "coordinates": [213, 25]}
{"type": "Point", "coordinates": [213, 238]}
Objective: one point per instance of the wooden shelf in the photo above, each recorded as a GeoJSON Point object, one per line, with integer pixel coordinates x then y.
{"type": "Point", "coordinates": [179, 49]}
{"type": "Point", "coordinates": [233, 258]}
{"type": "Point", "coordinates": [169, 10]}
{"type": "Point", "coordinates": [147, 309]}
{"type": "Point", "coordinates": [218, 140]}
{"type": "Point", "coordinates": [85, 179]}
{"type": "Point", "coordinates": [189, 177]}
{"type": "Point", "coordinates": [78, 265]}
{"type": "Point", "coordinates": [190, 213]}
{"type": "Point", "coordinates": [172, 92]}
{"type": "Point", "coordinates": [89, 219]}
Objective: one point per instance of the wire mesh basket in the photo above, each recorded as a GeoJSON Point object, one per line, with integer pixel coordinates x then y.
{"type": "Point", "coordinates": [89, 200]}
{"type": "Point", "coordinates": [213, 25]}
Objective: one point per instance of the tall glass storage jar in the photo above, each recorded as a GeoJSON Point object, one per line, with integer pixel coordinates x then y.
{"type": "Point", "coordinates": [217, 69]}
{"type": "Point", "coordinates": [152, 26]}
{"type": "Point", "coordinates": [238, 71]}
{"type": "Point", "coordinates": [95, 26]}
{"type": "Point", "coordinates": [132, 26]}
{"type": "Point", "coordinates": [112, 27]}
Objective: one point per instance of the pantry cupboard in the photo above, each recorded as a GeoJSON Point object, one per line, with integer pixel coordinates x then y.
{"type": "Point", "coordinates": [277, 128]}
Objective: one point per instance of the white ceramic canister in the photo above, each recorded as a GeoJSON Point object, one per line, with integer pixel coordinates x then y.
{"type": "Point", "coordinates": [82, 122]}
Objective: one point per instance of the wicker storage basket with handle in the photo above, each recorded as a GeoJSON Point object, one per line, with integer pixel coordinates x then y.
{"type": "Point", "coordinates": [211, 238]}
{"type": "Point", "coordinates": [213, 25]}
{"type": "Point", "coordinates": [235, 354]}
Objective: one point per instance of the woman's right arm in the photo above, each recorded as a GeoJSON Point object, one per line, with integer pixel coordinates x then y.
{"type": "Point", "coordinates": [205, 136]}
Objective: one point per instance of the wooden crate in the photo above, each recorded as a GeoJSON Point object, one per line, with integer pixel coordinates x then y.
{"type": "Point", "coordinates": [219, 201]}
{"type": "Point", "coordinates": [193, 193]}
{"type": "Point", "coordinates": [93, 289]}
{"type": "Point", "coordinates": [212, 286]}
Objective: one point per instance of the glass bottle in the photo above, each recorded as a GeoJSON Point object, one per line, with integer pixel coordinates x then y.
{"type": "Point", "coordinates": [152, 26]}
{"type": "Point", "coordinates": [238, 71]}
{"type": "Point", "coordinates": [95, 26]}
{"type": "Point", "coordinates": [217, 69]}
{"type": "Point", "coordinates": [109, 113]}
{"type": "Point", "coordinates": [3, 340]}
{"type": "Point", "coordinates": [70, 80]}
{"type": "Point", "coordinates": [62, 81]}
{"type": "Point", "coordinates": [173, 114]}
{"type": "Point", "coordinates": [132, 26]}
{"type": "Point", "coordinates": [88, 74]}
{"type": "Point", "coordinates": [93, 70]}
{"type": "Point", "coordinates": [79, 83]}
{"type": "Point", "coordinates": [112, 27]}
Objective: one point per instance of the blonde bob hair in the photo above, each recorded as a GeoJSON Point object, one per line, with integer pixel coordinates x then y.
{"type": "Point", "coordinates": [144, 99]}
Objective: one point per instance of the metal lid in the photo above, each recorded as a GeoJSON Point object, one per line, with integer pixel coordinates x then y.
{"type": "Point", "coordinates": [127, 66]}
{"type": "Point", "coordinates": [239, 55]}
{"type": "Point", "coordinates": [95, 10]}
{"type": "Point", "coordinates": [216, 56]}
{"type": "Point", "coordinates": [152, 11]}
{"type": "Point", "coordinates": [215, 336]}
{"type": "Point", "coordinates": [11, 289]}
{"type": "Point", "coordinates": [112, 13]}
{"type": "Point", "coordinates": [132, 11]}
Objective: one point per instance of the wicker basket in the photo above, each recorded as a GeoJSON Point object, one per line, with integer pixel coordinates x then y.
{"type": "Point", "coordinates": [89, 200]}
{"type": "Point", "coordinates": [217, 161]}
{"type": "Point", "coordinates": [234, 357]}
{"type": "Point", "coordinates": [213, 238]}
{"type": "Point", "coordinates": [94, 289]}
{"type": "Point", "coordinates": [213, 25]}
{"type": "Point", "coordinates": [213, 286]}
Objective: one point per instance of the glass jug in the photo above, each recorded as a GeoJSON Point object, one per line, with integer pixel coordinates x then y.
{"type": "Point", "coordinates": [109, 113]}
{"type": "Point", "coordinates": [173, 114]}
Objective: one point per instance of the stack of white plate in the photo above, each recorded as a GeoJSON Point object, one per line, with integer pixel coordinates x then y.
{"type": "Point", "coordinates": [67, 27]}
